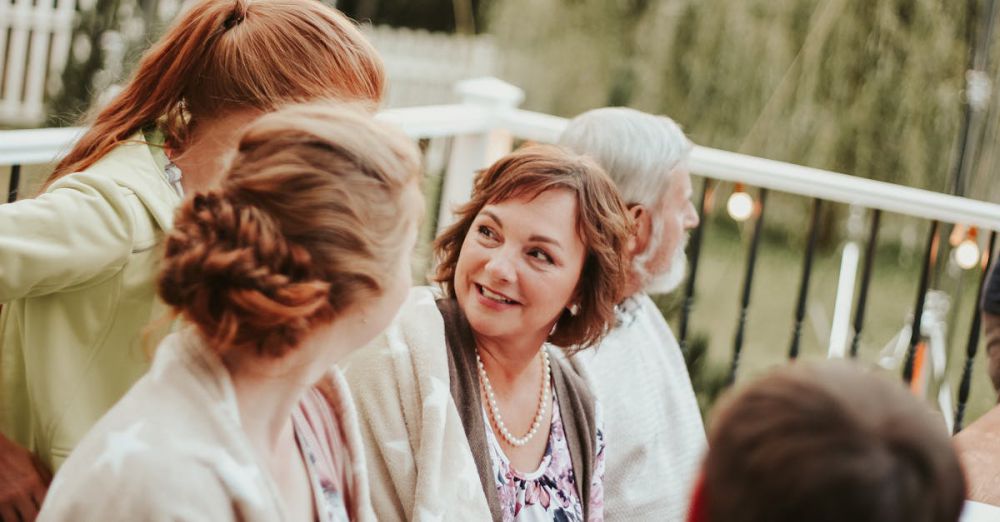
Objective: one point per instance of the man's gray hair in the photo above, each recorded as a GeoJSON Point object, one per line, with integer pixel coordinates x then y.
{"type": "Point", "coordinates": [636, 149]}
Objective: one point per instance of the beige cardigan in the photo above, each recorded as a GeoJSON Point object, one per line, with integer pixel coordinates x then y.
{"type": "Point", "coordinates": [173, 449]}
{"type": "Point", "coordinates": [417, 394]}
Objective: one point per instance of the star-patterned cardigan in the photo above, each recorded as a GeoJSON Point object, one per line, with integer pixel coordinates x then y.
{"type": "Point", "coordinates": [173, 449]}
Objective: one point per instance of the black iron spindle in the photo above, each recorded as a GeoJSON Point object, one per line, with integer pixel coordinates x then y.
{"type": "Point", "coordinates": [15, 180]}
{"type": "Point", "coordinates": [918, 310]}
{"type": "Point", "coordinates": [866, 277]}
{"type": "Point", "coordinates": [747, 282]}
{"type": "Point", "coordinates": [973, 346]}
{"type": "Point", "coordinates": [800, 308]}
{"type": "Point", "coordinates": [694, 249]}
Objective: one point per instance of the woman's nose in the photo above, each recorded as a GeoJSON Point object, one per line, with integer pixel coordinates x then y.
{"type": "Point", "coordinates": [500, 266]}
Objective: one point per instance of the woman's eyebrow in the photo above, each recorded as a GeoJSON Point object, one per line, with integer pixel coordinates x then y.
{"type": "Point", "coordinates": [544, 239]}
{"type": "Point", "coordinates": [492, 216]}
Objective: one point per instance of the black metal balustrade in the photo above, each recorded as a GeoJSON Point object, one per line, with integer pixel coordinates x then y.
{"type": "Point", "coordinates": [15, 181]}
{"type": "Point", "coordinates": [747, 286]}
{"type": "Point", "coordinates": [972, 347]}
{"type": "Point", "coordinates": [800, 307]}
{"type": "Point", "coordinates": [866, 277]}
{"type": "Point", "coordinates": [930, 253]}
{"type": "Point", "coordinates": [694, 251]}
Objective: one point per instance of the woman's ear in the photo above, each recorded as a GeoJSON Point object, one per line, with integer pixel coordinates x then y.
{"type": "Point", "coordinates": [639, 240]}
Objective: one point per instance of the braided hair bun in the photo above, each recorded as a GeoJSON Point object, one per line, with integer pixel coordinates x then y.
{"type": "Point", "coordinates": [306, 222]}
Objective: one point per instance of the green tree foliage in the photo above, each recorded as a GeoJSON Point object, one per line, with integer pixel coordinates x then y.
{"type": "Point", "coordinates": [872, 88]}
{"type": "Point", "coordinates": [108, 36]}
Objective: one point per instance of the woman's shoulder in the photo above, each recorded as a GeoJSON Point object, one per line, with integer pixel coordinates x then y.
{"type": "Point", "coordinates": [407, 361]}
{"type": "Point", "coordinates": [126, 474]}
{"type": "Point", "coordinates": [129, 172]}
{"type": "Point", "coordinates": [417, 326]}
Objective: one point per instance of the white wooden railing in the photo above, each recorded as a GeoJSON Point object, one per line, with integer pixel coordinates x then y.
{"type": "Point", "coordinates": [488, 118]}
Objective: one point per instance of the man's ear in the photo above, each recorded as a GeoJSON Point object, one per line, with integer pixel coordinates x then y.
{"type": "Point", "coordinates": [643, 230]}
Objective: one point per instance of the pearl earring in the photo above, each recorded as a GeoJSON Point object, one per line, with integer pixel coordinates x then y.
{"type": "Point", "coordinates": [573, 309]}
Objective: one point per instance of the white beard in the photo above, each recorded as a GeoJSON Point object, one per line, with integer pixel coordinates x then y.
{"type": "Point", "coordinates": [667, 281]}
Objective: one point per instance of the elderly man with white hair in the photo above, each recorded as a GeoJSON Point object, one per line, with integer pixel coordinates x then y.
{"type": "Point", "coordinates": [654, 429]}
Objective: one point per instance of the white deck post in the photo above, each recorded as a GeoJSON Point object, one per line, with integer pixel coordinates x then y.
{"type": "Point", "coordinates": [489, 98]}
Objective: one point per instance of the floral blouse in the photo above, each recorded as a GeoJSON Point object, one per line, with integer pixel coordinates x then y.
{"type": "Point", "coordinates": [325, 477]}
{"type": "Point", "coordinates": [549, 493]}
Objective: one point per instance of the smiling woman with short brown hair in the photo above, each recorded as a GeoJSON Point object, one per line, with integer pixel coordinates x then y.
{"type": "Point", "coordinates": [534, 260]}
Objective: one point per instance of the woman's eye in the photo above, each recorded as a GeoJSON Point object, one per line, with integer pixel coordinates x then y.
{"type": "Point", "coordinates": [541, 255]}
{"type": "Point", "coordinates": [486, 232]}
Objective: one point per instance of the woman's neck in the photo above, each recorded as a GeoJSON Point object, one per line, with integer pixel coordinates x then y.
{"type": "Point", "coordinates": [266, 393]}
{"type": "Point", "coordinates": [210, 145]}
{"type": "Point", "coordinates": [269, 389]}
{"type": "Point", "coordinates": [508, 361]}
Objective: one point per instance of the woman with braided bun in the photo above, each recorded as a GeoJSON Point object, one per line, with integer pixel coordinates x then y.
{"type": "Point", "coordinates": [77, 262]}
{"type": "Point", "coordinates": [298, 257]}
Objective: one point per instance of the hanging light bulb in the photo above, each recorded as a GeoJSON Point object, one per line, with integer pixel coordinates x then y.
{"type": "Point", "coordinates": [967, 252]}
{"type": "Point", "coordinates": [740, 204]}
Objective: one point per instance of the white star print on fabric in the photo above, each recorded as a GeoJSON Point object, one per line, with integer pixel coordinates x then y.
{"type": "Point", "coordinates": [227, 410]}
{"type": "Point", "coordinates": [426, 515]}
{"type": "Point", "coordinates": [402, 447]}
{"type": "Point", "coordinates": [437, 397]}
{"type": "Point", "coordinates": [424, 298]}
{"type": "Point", "coordinates": [119, 445]}
{"type": "Point", "coordinates": [240, 479]}
{"type": "Point", "coordinates": [395, 344]}
{"type": "Point", "coordinates": [163, 360]}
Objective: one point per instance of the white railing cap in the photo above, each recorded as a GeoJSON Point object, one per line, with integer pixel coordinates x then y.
{"type": "Point", "coordinates": [489, 91]}
{"type": "Point", "coordinates": [796, 179]}
{"type": "Point", "coordinates": [28, 146]}
{"type": "Point", "coordinates": [488, 107]}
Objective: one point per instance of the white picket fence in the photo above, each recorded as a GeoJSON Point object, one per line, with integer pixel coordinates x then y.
{"type": "Point", "coordinates": [422, 67]}
{"type": "Point", "coordinates": [34, 44]}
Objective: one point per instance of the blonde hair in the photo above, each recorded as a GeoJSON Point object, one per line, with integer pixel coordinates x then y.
{"type": "Point", "coordinates": [307, 221]}
{"type": "Point", "coordinates": [223, 55]}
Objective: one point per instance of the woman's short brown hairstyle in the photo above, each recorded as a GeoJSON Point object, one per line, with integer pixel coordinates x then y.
{"type": "Point", "coordinates": [308, 221]}
{"type": "Point", "coordinates": [829, 442]}
{"type": "Point", "coordinates": [602, 222]}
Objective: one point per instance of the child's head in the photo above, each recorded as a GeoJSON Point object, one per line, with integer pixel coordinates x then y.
{"type": "Point", "coordinates": [828, 442]}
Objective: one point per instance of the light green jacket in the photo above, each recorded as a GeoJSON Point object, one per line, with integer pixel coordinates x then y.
{"type": "Point", "coordinates": [77, 283]}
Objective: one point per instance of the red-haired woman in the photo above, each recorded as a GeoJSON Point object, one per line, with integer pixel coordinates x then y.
{"type": "Point", "coordinates": [77, 263]}
{"type": "Point", "coordinates": [297, 258]}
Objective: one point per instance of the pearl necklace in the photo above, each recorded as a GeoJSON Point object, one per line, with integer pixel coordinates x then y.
{"type": "Point", "coordinates": [495, 410]}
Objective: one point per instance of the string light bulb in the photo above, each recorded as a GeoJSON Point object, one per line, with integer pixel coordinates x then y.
{"type": "Point", "coordinates": [740, 204]}
{"type": "Point", "coordinates": [967, 252]}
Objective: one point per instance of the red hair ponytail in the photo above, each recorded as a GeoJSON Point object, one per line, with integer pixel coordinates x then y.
{"type": "Point", "coordinates": [223, 55]}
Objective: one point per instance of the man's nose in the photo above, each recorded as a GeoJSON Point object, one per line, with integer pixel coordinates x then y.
{"type": "Point", "coordinates": [692, 220]}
